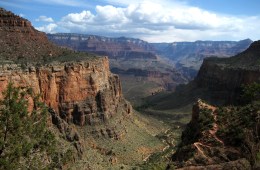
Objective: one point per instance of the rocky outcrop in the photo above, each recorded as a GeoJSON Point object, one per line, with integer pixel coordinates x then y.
{"type": "Point", "coordinates": [224, 77]}
{"type": "Point", "coordinates": [69, 132]}
{"type": "Point", "coordinates": [9, 21]}
{"type": "Point", "coordinates": [220, 138]}
{"type": "Point", "coordinates": [81, 92]}
{"type": "Point", "coordinates": [19, 40]}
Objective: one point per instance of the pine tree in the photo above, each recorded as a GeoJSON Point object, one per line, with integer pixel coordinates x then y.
{"type": "Point", "coordinates": [25, 141]}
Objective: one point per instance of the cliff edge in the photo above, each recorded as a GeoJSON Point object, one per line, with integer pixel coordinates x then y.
{"type": "Point", "coordinates": [223, 77]}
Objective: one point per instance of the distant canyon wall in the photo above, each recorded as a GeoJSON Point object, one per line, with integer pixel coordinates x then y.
{"type": "Point", "coordinates": [225, 77]}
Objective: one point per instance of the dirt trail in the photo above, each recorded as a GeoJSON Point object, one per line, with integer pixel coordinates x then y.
{"type": "Point", "coordinates": [197, 145]}
{"type": "Point", "coordinates": [214, 130]}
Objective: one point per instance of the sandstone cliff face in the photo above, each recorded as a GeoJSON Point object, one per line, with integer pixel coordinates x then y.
{"type": "Point", "coordinates": [79, 87]}
{"type": "Point", "coordinates": [81, 92]}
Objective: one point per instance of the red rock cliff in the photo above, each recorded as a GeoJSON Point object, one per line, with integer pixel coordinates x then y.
{"type": "Point", "coordinates": [81, 92]}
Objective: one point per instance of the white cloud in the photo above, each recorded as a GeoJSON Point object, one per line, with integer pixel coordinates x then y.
{"type": "Point", "coordinates": [158, 21]}
{"type": "Point", "coordinates": [44, 19]}
{"type": "Point", "coordinates": [110, 14]}
{"type": "Point", "coordinates": [79, 18]}
{"type": "Point", "coordinates": [50, 28]}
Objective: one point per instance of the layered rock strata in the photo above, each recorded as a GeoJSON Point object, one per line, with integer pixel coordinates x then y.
{"type": "Point", "coordinates": [122, 47]}
{"type": "Point", "coordinates": [225, 77]}
{"type": "Point", "coordinates": [81, 92]}
{"type": "Point", "coordinates": [79, 87]}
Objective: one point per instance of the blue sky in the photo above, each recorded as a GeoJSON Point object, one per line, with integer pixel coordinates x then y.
{"type": "Point", "coordinates": [153, 20]}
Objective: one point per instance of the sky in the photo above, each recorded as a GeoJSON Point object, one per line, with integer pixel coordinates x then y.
{"type": "Point", "coordinates": [152, 21]}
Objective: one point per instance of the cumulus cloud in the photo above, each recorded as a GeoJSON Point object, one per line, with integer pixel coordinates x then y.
{"type": "Point", "coordinates": [44, 19]}
{"type": "Point", "coordinates": [79, 18]}
{"type": "Point", "coordinates": [158, 21]}
{"type": "Point", "coordinates": [50, 28]}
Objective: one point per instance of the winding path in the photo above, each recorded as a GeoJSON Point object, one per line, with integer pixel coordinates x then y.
{"type": "Point", "coordinates": [214, 130]}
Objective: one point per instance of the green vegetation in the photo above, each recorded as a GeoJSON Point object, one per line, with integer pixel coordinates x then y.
{"type": "Point", "coordinates": [206, 120]}
{"type": "Point", "coordinates": [236, 122]}
{"type": "Point", "coordinates": [228, 130]}
{"type": "Point", "coordinates": [25, 140]}
{"type": "Point", "coordinates": [258, 156]}
{"type": "Point", "coordinates": [65, 56]}
{"type": "Point", "coordinates": [194, 130]}
{"type": "Point", "coordinates": [69, 56]}
{"type": "Point", "coordinates": [251, 93]}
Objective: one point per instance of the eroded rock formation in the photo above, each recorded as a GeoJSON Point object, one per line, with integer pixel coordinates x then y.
{"type": "Point", "coordinates": [80, 89]}
{"type": "Point", "coordinates": [224, 77]}
{"type": "Point", "coordinates": [81, 92]}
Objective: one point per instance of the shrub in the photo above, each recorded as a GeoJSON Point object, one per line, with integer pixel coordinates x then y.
{"type": "Point", "coordinates": [250, 93]}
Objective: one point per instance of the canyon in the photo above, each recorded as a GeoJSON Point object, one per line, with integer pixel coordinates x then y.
{"type": "Point", "coordinates": [134, 60]}
{"type": "Point", "coordinates": [156, 66]}
{"type": "Point", "coordinates": [223, 128]}
{"type": "Point", "coordinates": [63, 85]}
{"type": "Point", "coordinates": [188, 56]}
{"type": "Point", "coordinates": [226, 76]}
{"type": "Point", "coordinates": [87, 111]}
{"type": "Point", "coordinates": [90, 117]}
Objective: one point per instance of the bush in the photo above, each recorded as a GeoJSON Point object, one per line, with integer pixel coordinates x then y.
{"type": "Point", "coordinates": [250, 93]}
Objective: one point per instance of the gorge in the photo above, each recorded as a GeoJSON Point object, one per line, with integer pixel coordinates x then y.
{"type": "Point", "coordinates": [88, 112]}
{"type": "Point", "coordinates": [187, 114]}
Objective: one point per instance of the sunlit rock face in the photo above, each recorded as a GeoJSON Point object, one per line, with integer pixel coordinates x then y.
{"type": "Point", "coordinates": [81, 91]}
